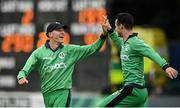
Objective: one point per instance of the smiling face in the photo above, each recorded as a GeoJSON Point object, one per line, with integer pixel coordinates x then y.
{"type": "Point", "coordinates": [57, 35]}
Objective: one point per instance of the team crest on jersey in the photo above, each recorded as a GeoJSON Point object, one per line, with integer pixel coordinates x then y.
{"type": "Point", "coordinates": [126, 47]}
{"type": "Point", "coordinates": [61, 55]}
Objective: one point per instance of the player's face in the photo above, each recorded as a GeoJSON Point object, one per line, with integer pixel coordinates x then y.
{"type": "Point", "coordinates": [119, 27]}
{"type": "Point", "coordinates": [58, 35]}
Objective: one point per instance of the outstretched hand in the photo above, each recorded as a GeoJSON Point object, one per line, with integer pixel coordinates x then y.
{"type": "Point", "coordinates": [104, 30]}
{"type": "Point", "coordinates": [171, 72]}
{"type": "Point", "coordinates": [106, 25]}
{"type": "Point", "coordinates": [23, 81]}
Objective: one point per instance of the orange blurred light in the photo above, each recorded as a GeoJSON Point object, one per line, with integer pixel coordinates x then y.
{"type": "Point", "coordinates": [27, 17]}
{"type": "Point", "coordinates": [17, 43]}
{"type": "Point", "coordinates": [91, 15]}
{"type": "Point", "coordinates": [89, 38]}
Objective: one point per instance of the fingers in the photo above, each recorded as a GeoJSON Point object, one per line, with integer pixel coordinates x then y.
{"type": "Point", "coordinates": [103, 28]}
{"type": "Point", "coordinates": [105, 17]}
{"type": "Point", "coordinates": [20, 82]}
{"type": "Point", "coordinates": [172, 73]}
{"type": "Point", "coordinates": [106, 25]}
{"type": "Point", "coordinates": [26, 81]}
{"type": "Point", "coordinates": [169, 74]}
{"type": "Point", "coordinates": [23, 81]}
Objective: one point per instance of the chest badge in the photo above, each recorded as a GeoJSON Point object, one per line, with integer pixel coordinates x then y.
{"type": "Point", "coordinates": [61, 55]}
{"type": "Point", "coordinates": [126, 47]}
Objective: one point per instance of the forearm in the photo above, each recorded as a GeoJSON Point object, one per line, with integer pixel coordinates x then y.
{"type": "Point", "coordinates": [21, 74]}
{"type": "Point", "coordinates": [98, 44]}
{"type": "Point", "coordinates": [158, 59]}
{"type": "Point", "coordinates": [82, 52]}
{"type": "Point", "coordinates": [28, 67]}
{"type": "Point", "coordinates": [115, 38]}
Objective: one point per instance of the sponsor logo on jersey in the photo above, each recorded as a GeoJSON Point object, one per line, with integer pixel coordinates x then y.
{"type": "Point", "coordinates": [54, 66]}
{"type": "Point", "coordinates": [125, 58]}
{"type": "Point", "coordinates": [47, 58]}
{"type": "Point", "coordinates": [61, 55]}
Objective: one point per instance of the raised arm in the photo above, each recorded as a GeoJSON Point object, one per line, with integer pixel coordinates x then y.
{"type": "Point", "coordinates": [115, 38]}
{"type": "Point", "coordinates": [81, 52]}
{"type": "Point", "coordinates": [113, 34]}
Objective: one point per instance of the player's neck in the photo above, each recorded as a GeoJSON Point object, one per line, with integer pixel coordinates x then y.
{"type": "Point", "coordinates": [126, 34]}
{"type": "Point", "coordinates": [53, 44]}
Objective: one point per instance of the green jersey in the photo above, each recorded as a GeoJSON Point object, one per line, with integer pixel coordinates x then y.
{"type": "Point", "coordinates": [132, 52]}
{"type": "Point", "coordinates": [55, 67]}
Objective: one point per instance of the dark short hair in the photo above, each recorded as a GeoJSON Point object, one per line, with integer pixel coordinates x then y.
{"type": "Point", "coordinates": [125, 19]}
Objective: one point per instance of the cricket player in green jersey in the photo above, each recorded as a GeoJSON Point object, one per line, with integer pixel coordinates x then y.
{"type": "Point", "coordinates": [55, 63]}
{"type": "Point", "coordinates": [132, 53]}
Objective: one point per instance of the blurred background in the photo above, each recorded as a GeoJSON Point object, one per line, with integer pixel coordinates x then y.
{"type": "Point", "coordinates": [22, 26]}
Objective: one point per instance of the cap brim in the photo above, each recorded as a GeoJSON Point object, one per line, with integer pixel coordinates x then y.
{"type": "Point", "coordinates": [61, 26]}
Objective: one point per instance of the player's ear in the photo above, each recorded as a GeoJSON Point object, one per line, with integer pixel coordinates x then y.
{"type": "Point", "coordinates": [121, 26]}
{"type": "Point", "coordinates": [50, 34]}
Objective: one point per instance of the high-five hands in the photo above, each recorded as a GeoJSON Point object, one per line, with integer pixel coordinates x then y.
{"type": "Point", "coordinates": [106, 25]}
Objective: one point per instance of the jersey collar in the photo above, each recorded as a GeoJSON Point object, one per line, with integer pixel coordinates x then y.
{"type": "Point", "coordinates": [130, 36]}
{"type": "Point", "coordinates": [48, 46]}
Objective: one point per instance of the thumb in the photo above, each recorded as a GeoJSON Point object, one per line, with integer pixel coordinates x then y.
{"type": "Point", "coordinates": [105, 17]}
{"type": "Point", "coordinates": [26, 81]}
